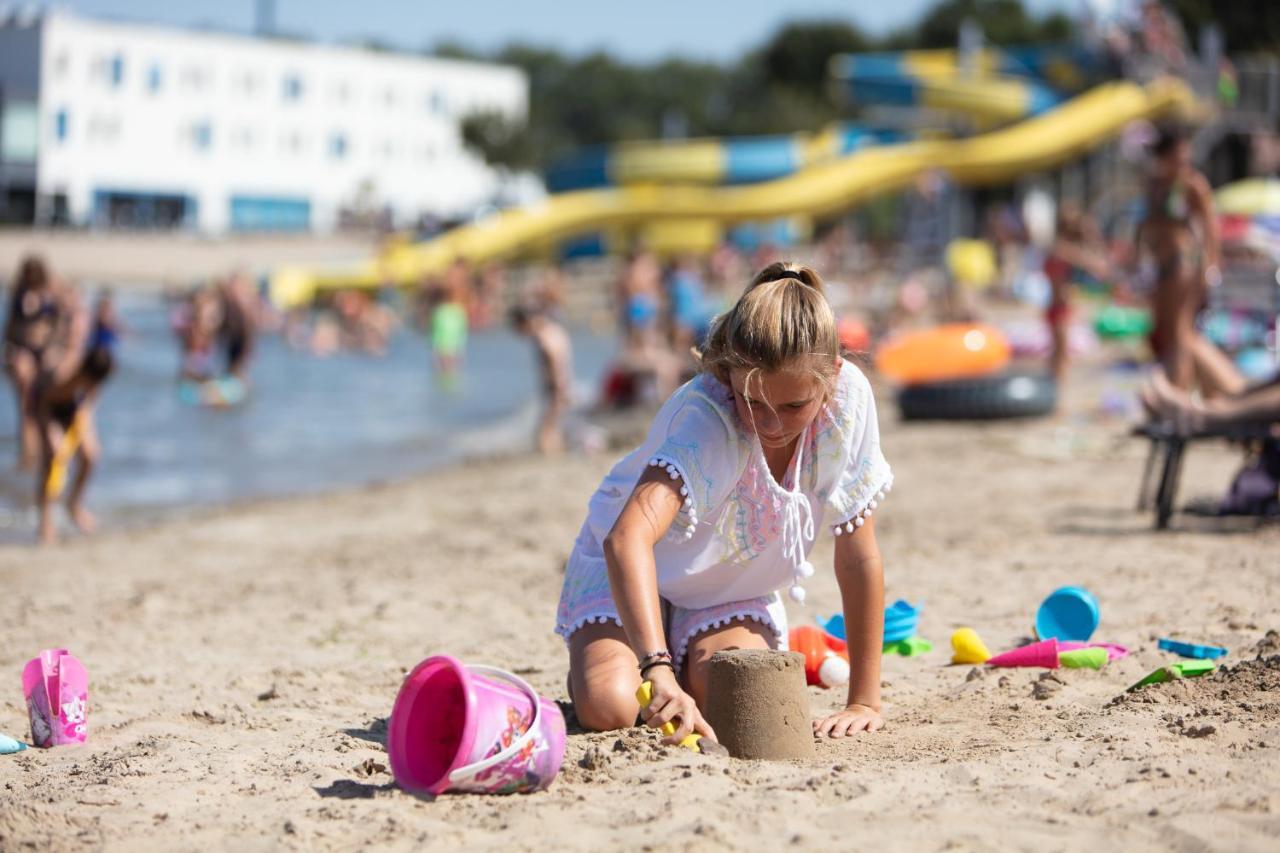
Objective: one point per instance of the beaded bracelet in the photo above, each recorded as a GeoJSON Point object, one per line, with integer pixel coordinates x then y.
{"type": "Point", "coordinates": [645, 669]}
{"type": "Point", "coordinates": [652, 656]}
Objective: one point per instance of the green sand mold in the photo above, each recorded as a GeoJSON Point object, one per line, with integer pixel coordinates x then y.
{"type": "Point", "coordinates": [909, 647]}
{"type": "Point", "coordinates": [1174, 671]}
{"type": "Point", "coordinates": [1083, 659]}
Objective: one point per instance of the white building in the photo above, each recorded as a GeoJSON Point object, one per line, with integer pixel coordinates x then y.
{"type": "Point", "coordinates": [110, 124]}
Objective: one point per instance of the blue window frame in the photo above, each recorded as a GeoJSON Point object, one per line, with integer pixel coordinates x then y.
{"type": "Point", "coordinates": [338, 146]}
{"type": "Point", "coordinates": [117, 71]}
{"type": "Point", "coordinates": [155, 78]}
{"type": "Point", "coordinates": [60, 125]}
{"type": "Point", "coordinates": [292, 87]}
{"type": "Point", "coordinates": [270, 213]}
{"type": "Point", "coordinates": [202, 136]}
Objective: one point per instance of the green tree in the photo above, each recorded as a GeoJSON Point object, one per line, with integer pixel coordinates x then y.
{"type": "Point", "coordinates": [1248, 26]}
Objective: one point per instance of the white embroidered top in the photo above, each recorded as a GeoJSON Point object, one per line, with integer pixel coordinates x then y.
{"type": "Point", "coordinates": [741, 534]}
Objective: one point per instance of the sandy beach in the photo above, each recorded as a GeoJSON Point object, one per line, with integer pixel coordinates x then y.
{"type": "Point", "coordinates": [242, 665]}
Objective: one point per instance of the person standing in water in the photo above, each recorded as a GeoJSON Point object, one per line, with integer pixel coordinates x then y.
{"type": "Point", "coordinates": [37, 312]}
{"type": "Point", "coordinates": [1180, 231]}
{"type": "Point", "coordinates": [239, 331]}
{"type": "Point", "coordinates": [64, 399]}
{"type": "Point", "coordinates": [555, 358]}
{"type": "Point", "coordinates": [448, 328]}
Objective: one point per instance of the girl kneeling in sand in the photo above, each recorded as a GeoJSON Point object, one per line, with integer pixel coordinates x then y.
{"type": "Point", "coordinates": [689, 539]}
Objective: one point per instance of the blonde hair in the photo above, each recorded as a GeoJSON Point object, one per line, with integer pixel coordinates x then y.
{"type": "Point", "coordinates": [782, 321]}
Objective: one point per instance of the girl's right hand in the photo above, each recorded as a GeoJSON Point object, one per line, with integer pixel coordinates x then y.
{"type": "Point", "coordinates": [671, 704]}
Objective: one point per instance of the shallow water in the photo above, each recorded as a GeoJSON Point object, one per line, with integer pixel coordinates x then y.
{"type": "Point", "coordinates": [308, 425]}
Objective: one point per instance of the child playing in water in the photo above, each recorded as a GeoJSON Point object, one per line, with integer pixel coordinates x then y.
{"type": "Point", "coordinates": [64, 407]}
{"type": "Point", "coordinates": [689, 539]}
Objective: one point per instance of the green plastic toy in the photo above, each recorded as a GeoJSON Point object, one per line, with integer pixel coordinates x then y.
{"type": "Point", "coordinates": [1174, 671]}
{"type": "Point", "coordinates": [1094, 658]}
{"type": "Point", "coordinates": [909, 648]}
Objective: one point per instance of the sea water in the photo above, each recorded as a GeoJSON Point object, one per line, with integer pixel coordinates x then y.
{"type": "Point", "coordinates": [309, 424]}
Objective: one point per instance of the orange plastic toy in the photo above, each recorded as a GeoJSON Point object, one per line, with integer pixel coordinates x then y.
{"type": "Point", "coordinates": [953, 351]}
{"type": "Point", "coordinates": [826, 659]}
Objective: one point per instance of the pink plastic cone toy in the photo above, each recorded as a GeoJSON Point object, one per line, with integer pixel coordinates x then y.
{"type": "Point", "coordinates": [57, 691]}
{"type": "Point", "coordinates": [1042, 654]}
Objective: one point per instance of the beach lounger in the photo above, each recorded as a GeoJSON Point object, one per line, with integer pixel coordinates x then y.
{"type": "Point", "coordinates": [1168, 446]}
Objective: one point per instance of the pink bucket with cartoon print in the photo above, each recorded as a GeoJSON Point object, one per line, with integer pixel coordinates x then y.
{"type": "Point", "coordinates": [472, 728]}
{"type": "Point", "coordinates": [57, 691]}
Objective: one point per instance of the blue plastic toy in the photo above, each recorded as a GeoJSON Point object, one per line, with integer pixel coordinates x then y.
{"type": "Point", "coordinates": [8, 745]}
{"type": "Point", "coordinates": [900, 619]}
{"type": "Point", "coordinates": [1069, 613]}
{"type": "Point", "coordinates": [1191, 650]}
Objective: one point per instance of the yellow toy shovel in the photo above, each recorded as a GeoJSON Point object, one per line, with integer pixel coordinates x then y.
{"type": "Point", "coordinates": [693, 741]}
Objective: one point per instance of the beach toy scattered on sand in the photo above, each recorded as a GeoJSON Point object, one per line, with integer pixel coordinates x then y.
{"type": "Point", "coordinates": [909, 648]}
{"type": "Point", "coordinates": [1069, 613]}
{"type": "Point", "coordinates": [1191, 650]}
{"type": "Point", "coordinates": [900, 620]}
{"type": "Point", "coordinates": [8, 745]}
{"type": "Point", "coordinates": [472, 728]}
{"type": "Point", "coordinates": [1174, 671]}
{"type": "Point", "coordinates": [826, 661]}
{"type": "Point", "coordinates": [56, 688]}
{"type": "Point", "coordinates": [1114, 650]}
{"type": "Point", "coordinates": [692, 741]}
{"type": "Point", "coordinates": [1043, 654]}
{"type": "Point", "coordinates": [1092, 658]}
{"type": "Point", "coordinates": [953, 351]}
{"type": "Point", "coordinates": [758, 705]}
{"type": "Point", "coordinates": [967, 647]}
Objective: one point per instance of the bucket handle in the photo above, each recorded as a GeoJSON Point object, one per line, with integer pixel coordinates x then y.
{"type": "Point", "coordinates": [518, 744]}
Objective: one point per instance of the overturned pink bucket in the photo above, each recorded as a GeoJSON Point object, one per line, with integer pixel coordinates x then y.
{"type": "Point", "coordinates": [472, 728]}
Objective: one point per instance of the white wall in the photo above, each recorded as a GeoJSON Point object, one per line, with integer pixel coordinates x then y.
{"type": "Point", "coordinates": [399, 115]}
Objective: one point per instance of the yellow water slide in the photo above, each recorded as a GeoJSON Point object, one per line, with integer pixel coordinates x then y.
{"type": "Point", "coordinates": [1033, 145]}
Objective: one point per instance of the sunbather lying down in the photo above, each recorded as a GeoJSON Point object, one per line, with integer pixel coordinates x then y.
{"type": "Point", "coordinates": [1255, 404]}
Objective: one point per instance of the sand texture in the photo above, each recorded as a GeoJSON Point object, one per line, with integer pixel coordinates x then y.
{"type": "Point", "coordinates": [242, 665]}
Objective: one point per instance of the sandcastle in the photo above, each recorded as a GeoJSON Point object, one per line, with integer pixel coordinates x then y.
{"type": "Point", "coordinates": [758, 704]}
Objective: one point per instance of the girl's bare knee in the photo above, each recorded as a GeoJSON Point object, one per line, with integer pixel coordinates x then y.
{"type": "Point", "coordinates": [605, 706]}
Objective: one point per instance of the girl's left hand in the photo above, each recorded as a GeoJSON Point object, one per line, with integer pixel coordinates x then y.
{"type": "Point", "coordinates": [853, 719]}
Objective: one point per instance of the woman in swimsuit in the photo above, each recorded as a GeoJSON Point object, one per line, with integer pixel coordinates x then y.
{"type": "Point", "coordinates": [1180, 231]}
{"type": "Point", "coordinates": [31, 330]}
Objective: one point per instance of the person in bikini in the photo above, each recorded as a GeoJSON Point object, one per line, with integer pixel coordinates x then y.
{"type": "Point", "coordinates": [1180, 232]}
{"type": "Point", "coordinates": [31, 330]}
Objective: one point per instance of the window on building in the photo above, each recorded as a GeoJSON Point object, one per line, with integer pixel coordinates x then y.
{"type": "Point", "coordinates": [438, 102]}
{"type": "Point", "coordinates": [155, 78]}
{"type": "Point", "coordinates": [115, 71]}
{"type": "Point", "coordinates": [202, 136]}
{"type": "Point", "coordinates": [244, 139]}
{"type": "Point", "coordinates": [338, 146]}
{"type": "Point", "coordinates": [341, 92]}
{"type": "Point", "coordinates": [292, 87]}
{"type": "Point", "coordinates": [60, 125]}
{"type": "Point", "coordinates": [194, 78]}
{"type": "Point", "coordinates": [62, 65]}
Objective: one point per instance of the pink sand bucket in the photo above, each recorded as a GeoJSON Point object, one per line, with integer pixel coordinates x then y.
{"type": "Point", "coordinates": [472, 728]}
{"type": "Point", "coordinates": [57, 692]}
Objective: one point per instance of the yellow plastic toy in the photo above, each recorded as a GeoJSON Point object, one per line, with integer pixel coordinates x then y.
{"type": "Point", "coordinates": [693, 741]}
{"type": "Point", "coordinates": [968, 647]}
{"type": "Point", "coordinates": [58, 467]}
